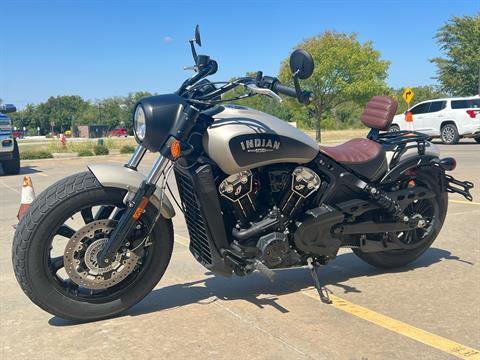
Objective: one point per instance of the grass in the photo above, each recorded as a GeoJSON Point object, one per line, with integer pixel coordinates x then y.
{"type": "Point", "coordinates": [127, 149]}
{"type": "Point", "coordinates": [100, 150]}
{"type": "Point", "coordinates": [35, 154]}
{"type": "Point", "coordinates": [85, 152]}
{"type": "Point", "coordinates": [55, 146]}
{"type": "Point", "coordinates": [338, 136]}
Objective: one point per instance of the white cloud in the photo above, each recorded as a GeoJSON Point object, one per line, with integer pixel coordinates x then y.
{"type": "Point", "coordinates": [167, 39]}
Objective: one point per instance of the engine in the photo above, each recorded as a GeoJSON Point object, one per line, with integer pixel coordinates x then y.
{"type": "Point", "coordinates": [264, 204]}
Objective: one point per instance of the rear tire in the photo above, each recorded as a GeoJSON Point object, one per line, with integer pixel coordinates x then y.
{"type": "Point", "coordinates": [449, 134]}
{"type": "Point", "coordinates": [33, 242]}
{"type": "Point", "coordinates": [398, 258]}
{"type": "Point", "coordinates": [477, 139]}
{"type": "Point", "coordinates": [12, 167]}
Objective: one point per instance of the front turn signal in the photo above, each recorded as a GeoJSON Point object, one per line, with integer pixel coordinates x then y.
{"type": "Point", "coordinates": [175, 149]}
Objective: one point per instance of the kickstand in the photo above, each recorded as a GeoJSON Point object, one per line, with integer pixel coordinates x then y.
{"type": "Point", "coordinates": [322, 290]}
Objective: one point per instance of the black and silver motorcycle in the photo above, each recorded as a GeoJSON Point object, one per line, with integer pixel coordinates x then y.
{"type": "Point", "coordinates": [257, 195]}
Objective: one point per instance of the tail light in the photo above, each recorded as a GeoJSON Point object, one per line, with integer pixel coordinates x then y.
{"type": "Point", "coordinates": [448, 164]}
{"type": "Point", "coordinates": [473, 113]}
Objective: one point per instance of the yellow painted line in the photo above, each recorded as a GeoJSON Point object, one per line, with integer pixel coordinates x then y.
{"type": "Point", "coordinates": [42, 174]}
{"type": "Point", "coordinates": [399, 327]}
{"type": "Point", "coordinates": [464, 202]}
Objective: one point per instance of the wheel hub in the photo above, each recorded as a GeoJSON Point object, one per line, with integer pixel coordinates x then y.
{"type": "Point", "coordinates": [80, 257]}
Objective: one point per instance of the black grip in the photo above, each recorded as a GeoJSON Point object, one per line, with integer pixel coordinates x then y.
{"type": "Point", "coordinates": [285, 90]}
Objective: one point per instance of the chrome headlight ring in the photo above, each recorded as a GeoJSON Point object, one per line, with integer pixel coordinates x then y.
{"type": "Point", "coordinates": [139, 123]}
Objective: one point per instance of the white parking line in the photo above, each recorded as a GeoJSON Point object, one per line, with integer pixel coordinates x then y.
{"type": "Point", "coordinates": [9, 187]}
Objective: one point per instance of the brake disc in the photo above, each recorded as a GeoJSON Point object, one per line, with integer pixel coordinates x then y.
{"type": "Point", "coordinates": [80, 257]}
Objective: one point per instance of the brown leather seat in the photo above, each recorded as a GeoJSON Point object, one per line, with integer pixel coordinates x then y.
{"type": "Point", "coordinates": [355, 151]}
{"type": "Point", "coordinates": [366, 157]}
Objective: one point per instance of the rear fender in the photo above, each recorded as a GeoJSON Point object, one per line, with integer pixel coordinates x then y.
{"type": "Point", "coordinates": [411, 163]}
{"type": "Point", "coordinates": [118, 176]}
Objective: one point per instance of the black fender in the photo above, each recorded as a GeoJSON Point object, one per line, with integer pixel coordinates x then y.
{"type": "Point", "coordinates": [411, 163]}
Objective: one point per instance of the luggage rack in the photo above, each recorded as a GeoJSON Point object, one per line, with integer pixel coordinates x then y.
{"type": "Point", "coordinates": [400, 141]}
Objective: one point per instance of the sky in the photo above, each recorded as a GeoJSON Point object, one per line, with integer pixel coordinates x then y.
{"type": "Point", "coordinates": [98, 49]}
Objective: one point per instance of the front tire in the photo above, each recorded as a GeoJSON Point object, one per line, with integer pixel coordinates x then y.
{"type": "Point", "coordinates": [39, 274]}
{"type": "Point", "coordinates": [397, 258]}
{"type": "Point", "coordinates": [477, 139]}
{"type": "Point", "coordinates": [449, 134]}
{"type": "Point", "coordinates": [12, 167]}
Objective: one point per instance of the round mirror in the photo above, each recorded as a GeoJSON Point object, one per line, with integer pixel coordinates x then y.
{"type": "Point", "coordinates": [198, 40]}
{"type": "Point", "coordinates": [301, 63]}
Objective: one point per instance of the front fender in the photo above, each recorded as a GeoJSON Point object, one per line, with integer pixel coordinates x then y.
{"type": "Point", "coordinates": [118, 176]}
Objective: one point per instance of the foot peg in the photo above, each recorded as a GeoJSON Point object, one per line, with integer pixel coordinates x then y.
{"type": "Point", "coordinates": [322, 290]}
{"type": "Point", "coordinates": [261, 267]}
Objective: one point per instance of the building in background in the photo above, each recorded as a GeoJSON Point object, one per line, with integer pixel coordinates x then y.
{"type": "Point", "coordinates": [91, 131]}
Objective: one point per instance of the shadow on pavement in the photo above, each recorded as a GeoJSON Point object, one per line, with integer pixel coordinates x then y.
{"type": "Point", "coordinates": [461, 142]}
{"type": "Point", "coordinates": [344, 267]}
{"type": "Point", "coordinates": [24, 170]}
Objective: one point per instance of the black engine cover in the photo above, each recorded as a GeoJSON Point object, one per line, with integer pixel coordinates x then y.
{"type": "Point", "coordinates": [314, 235]}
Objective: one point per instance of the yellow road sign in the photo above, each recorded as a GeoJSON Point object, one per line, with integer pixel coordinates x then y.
{"type": "Point", "coordinates": [408, 95]}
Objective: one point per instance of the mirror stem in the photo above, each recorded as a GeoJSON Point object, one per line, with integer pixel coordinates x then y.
{"type": "Point", "coordinates": [194, 52]}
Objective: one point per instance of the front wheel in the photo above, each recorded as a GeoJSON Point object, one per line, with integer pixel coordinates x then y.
{"type": "Point", "coordinates": [477, 139]}
{"type": "Point", "coordinates": [56, 245]}
{"type": "Point", "coordinates": [433, 210]}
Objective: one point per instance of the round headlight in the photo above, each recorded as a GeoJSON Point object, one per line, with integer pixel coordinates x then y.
{"type": "Point", "coordinates": [139, 123]}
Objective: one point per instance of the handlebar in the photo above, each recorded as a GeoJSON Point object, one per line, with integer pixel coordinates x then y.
{"type": "Point", "coordinates": [284, 90]}
{"type": "Point", "coordinates": [302, 96]}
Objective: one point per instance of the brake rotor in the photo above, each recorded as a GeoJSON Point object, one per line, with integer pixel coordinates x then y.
{"type": "Point", "coordinates": [80, 257]}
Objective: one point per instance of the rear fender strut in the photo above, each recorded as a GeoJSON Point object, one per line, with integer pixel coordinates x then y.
{"type": "Point", "coordinates": [453, 185]}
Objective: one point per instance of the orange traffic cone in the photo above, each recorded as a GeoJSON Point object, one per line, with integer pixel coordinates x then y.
{"type": "Point", "coordinates": [28, 195]}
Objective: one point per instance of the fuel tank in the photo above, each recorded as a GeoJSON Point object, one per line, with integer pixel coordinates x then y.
{"type": "Point", "coordinates": [241, 138]}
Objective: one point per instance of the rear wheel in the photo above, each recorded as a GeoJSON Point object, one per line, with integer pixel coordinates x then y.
{"type": "Point", "coordinates": [56, 243]}
{"type": "Point", "coordinates": [417, 241]}
{"type": "Point", "coordinates": [449, 134]}
{"type": "Point", "coordinates": [477, 139]}
{"type": "Point", "coordinates": [12, 167]}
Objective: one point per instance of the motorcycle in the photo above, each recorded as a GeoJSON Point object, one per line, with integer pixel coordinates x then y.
{"type": "Point", "coordinates": [257, 194]}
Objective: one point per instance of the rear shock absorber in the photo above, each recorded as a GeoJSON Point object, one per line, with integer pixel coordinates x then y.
{"type": "Point", "coordinates": [382, 199]}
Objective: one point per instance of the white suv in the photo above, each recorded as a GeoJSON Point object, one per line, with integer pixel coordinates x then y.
{"type": "Point", "coordinates": [450, 119]}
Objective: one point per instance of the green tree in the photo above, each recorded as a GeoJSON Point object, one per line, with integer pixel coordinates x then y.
{"type": "Point", "coordinates": [61, 112]}
{"type": "Point", "coordinates": [345, 70]}
{"type": "Point", "coordinates": [458, 71]}
{"type": "Point", "coordinates": [262, 103]}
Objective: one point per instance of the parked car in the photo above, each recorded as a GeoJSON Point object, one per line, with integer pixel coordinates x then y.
{"type": "Point", "coordinates": [449, 119]}
{"type": "Point", "coordinates": [18, 134]}
{"type": "Point", "coordinates": [119, 132]}
{"type": "Point", "coordinates": [9, 153]}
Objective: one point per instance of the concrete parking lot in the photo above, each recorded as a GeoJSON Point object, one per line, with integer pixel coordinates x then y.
{"type": "Point", "coordinates": [428, 310]}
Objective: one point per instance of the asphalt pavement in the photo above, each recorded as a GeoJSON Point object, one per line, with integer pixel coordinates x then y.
{"type": "Point", "coordinates": [428, 310]}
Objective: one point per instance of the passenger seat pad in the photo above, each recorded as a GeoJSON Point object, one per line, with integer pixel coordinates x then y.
{"type": "Point", "coordinates": [379, 112]}
{"type": "Point", "coordinates": [355, 151]}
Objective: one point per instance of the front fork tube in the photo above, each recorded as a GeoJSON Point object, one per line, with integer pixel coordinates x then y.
{"type": "Point", "coordinates": [136, 157]}
{"type": "Point", "coordinates": [135, 207]}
